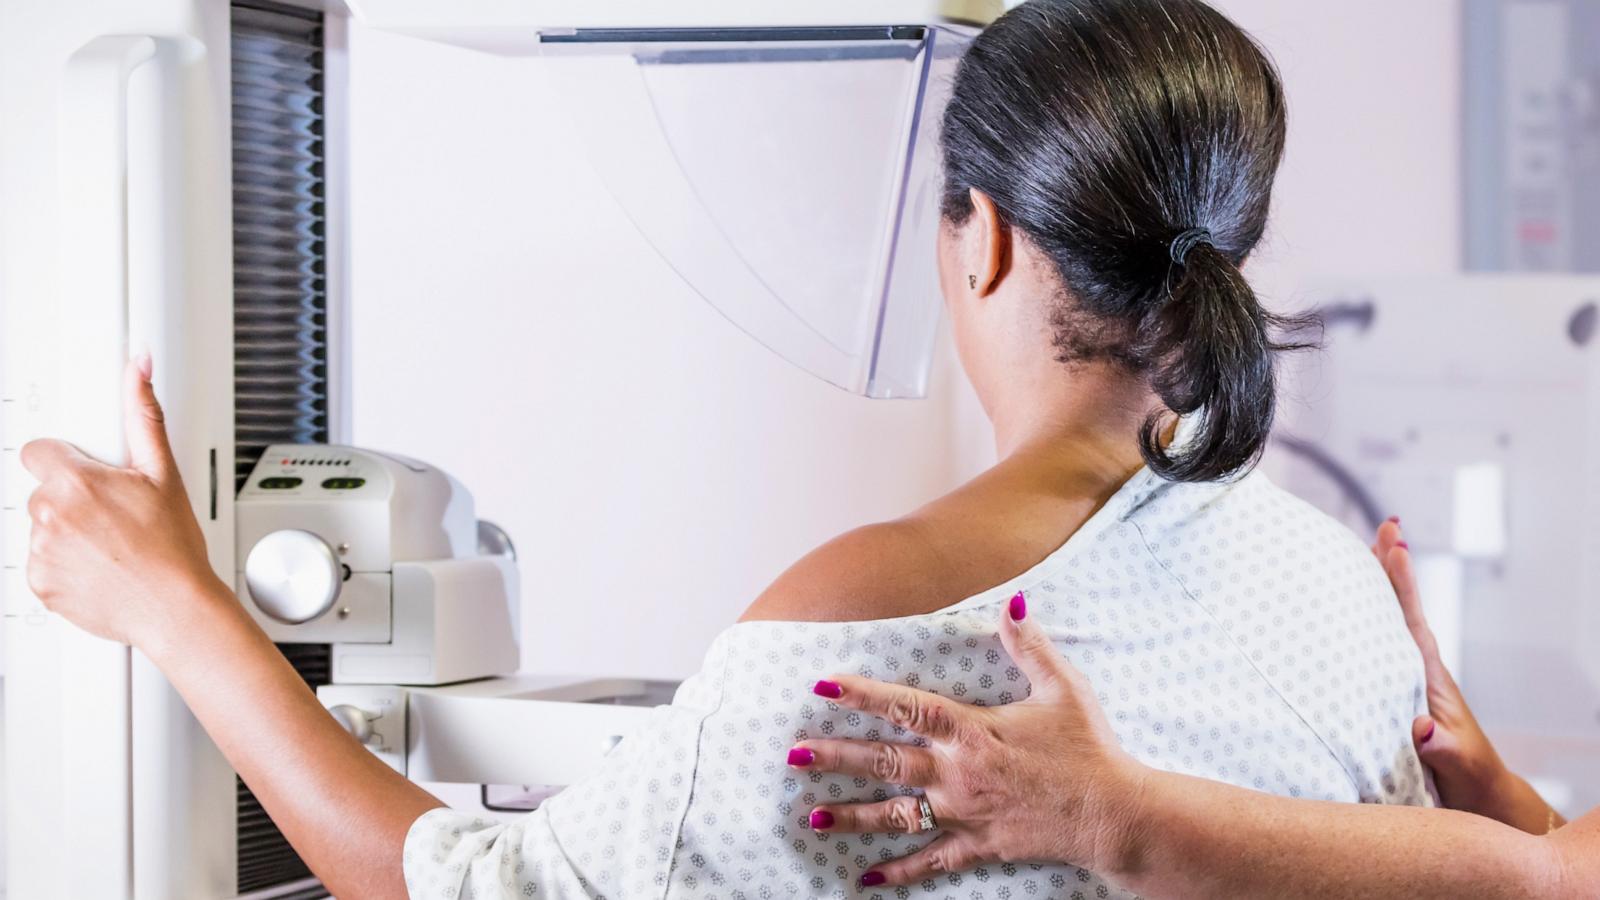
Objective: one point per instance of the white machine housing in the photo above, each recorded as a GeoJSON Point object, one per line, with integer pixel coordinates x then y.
{"type": "Point", "coordinates": [411, 601]}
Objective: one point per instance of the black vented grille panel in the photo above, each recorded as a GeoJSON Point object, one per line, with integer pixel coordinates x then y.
{"type": "Point", "coordinates": [280, 309]}
{"type": "Point", "coordinates": [265, 857]}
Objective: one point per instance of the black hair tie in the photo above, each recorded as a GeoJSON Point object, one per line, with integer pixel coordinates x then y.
{"type": "Point", "coordinates": [1188, 240]}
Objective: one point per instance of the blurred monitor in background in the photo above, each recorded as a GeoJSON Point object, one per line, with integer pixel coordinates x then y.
{"type": "Point", "coordinates": [1531, 132]}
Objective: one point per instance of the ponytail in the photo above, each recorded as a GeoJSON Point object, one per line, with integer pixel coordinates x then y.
{"type": "Point", "coordinates": [1101, 129]}
{"type": "Point", "coordinates": [1209, 352]}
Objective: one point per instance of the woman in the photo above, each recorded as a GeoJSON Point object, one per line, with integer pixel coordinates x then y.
{"type": "Point", "coordinates": [1003, 792]}
{"type": "Point", "coordinates": [1108, 167]}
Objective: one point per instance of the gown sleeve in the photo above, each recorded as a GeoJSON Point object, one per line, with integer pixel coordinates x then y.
{"type": "Point", "coordinates": [611, 834]}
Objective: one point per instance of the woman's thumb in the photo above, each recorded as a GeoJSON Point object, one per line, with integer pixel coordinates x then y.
{"type": "Point", "coordinates": [143, 423]}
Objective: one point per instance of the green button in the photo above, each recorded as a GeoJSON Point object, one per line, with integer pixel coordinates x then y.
{"type": "Point", "coordinates": [343, 484]}
{"type": "Point", "coordinates": [278, 484]}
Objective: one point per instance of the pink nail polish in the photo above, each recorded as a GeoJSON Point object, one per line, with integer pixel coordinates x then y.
{"type": "Point", "coordinates": [821, 820]}
{"type": "Point", "coordinates": [800, 756]}
{"type": "Point", "coordinates": [872, 879]}
{"type": "Point", "coordinates": [1428, 735]}
{"type": "Point", "coordinates": [1019, 607]}
{"type": "Point", "coordinates": [827, 689]}
{"type": "Point", "coordinates": [1395, 519]}
{"type": "Point", "coordinates": [1402, 545]}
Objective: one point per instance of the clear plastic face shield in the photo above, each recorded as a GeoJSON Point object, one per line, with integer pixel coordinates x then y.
{"type": "Point", "coordinates": [789, 175]}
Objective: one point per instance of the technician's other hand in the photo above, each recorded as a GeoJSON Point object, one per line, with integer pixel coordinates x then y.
{"type": "Point", "coordinates": [1466, 768]}
{"type": "Point", "coordinates": [116, 550]}
{"type": "Point", "coordinates": [1042, 779]}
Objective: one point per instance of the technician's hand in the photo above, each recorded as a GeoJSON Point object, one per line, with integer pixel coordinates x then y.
{"type": "Point", "coordinates": [116, 550]}
{"type": "Point", "coordinates": [1466, 768]}
{"type": "Point", "coordinates": [1041, 779]}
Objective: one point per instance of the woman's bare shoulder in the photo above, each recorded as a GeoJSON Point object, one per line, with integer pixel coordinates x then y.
{"type": "Point", "coordinates": [873, 572]}
{"type": "Point", "coordinates": [959, 545]}
{"type": "Point", "coordinates": [991, 529]}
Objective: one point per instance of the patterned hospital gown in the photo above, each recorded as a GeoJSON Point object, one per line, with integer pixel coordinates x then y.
{"type": "Point", "coordinates": [1230, 630]}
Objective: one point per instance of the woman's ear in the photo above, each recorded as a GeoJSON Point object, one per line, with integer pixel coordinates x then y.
{"type": "Point", "coordinates": [987, 245]}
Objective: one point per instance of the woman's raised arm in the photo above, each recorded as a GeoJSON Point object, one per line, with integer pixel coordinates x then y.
{"type": "Point", "coordinates": [117, 552]}
{"type": "Point", "coordinates": [1043, 780]}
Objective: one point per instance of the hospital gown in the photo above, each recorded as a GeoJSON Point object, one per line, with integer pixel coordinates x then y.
{"type": "Point", "coordinates": [1230, 632]}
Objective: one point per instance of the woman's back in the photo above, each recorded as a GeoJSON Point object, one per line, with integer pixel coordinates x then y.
{"type": "Point", "coordinates": [1231, 631]}
{"type": "Point", "coordinates": [1108, 167]}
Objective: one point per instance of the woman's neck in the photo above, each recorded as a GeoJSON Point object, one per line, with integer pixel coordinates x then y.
{"type": "Point", "coordinates": [1080, 422]}
{"type": "Point", "coordinates": [1065, 450]}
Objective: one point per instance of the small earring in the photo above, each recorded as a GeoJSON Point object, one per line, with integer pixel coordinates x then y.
{"type": "Point", "coordinates": [972, 282]}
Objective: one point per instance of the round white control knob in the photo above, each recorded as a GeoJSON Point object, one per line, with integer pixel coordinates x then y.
{"type": "Point", "coordinates": [354, 720]}
{"type": "Point", "coordinates": [293, 576]}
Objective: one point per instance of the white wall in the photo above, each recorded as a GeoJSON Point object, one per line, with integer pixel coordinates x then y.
{"type": "Point", "coordinates": [655, 466]}
{"type": "Point", "coordinates": [1371, 181]}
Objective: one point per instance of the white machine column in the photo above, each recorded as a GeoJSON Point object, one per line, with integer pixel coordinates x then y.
{"type": "Point", "coordinates": [112, 790]}
{"type": "Point", "coordinates": [61, 680]}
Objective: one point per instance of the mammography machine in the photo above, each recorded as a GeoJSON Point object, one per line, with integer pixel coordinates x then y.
{"type": "Point", "coordinates": [329, 221]}
{"type": "Point", "coordinates": [164, 156]}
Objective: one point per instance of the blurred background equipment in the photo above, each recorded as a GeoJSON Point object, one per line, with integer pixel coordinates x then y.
{"type": "Point", "coordinates": [1531, 135]}
{"type": "Point", "coordinates": [1484, 437]}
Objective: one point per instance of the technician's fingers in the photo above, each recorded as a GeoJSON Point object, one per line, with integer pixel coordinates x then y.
{"type": "Point", "coordinates": [1404, 579]}
{"type": "Point", "coordinates": [1397, 565]}
{"type": "Point", "coordinates": [946, 853]}
{"type": "Point", "coordinates": [1439, 749]}
{"type": "Point", "coordinates": [1441, 684]}
{"type": "Point", "coordinates": [878, 760]}
{"type": "Point", "coordinates": [916, 711]}
{"type": "Point", "coordinates": [144, 423]}
{"type": "Point", "coordinates": [897, 815]}
{"type": "Point", "coordinates": [1423, 731]}
{"type": "Point", "coordinates": [1388, 537]}
{"type": "Point", "coordinates": [1036, 655]}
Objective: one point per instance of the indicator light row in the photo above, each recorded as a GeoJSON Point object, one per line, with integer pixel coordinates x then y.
{"type": "Point", "coordinates": [284, 483]}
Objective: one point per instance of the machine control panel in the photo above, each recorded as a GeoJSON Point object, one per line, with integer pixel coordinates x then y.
{"type": "Point", "coordinates": [312, 473]}
{"type": "Point", "coordinates": [380, 556]}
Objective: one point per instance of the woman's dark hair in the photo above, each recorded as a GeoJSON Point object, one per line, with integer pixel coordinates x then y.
{"type": "Point", "coordinates": [1103, 130]}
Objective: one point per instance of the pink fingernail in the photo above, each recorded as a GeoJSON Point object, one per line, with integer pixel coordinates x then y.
{"type": "Point", "coordinates": [827, 689]}
{"type": "Point", "coordinates": [1395, 519]}
{"type": "Point", "coordinates": [143, 362]}
{"type": "Point", "coordinates": [800, 756]}
{"type": "Point", "coordinates": [821, 820]}
{"type": "Point", "coordinates": [1402, 545]}
{"type": "Point", "coordinates": [872, 879]}
{"type": "Point", "coordinates": [1428, 735]}
{"type": "Point", "coordinates": [1019, 607]}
